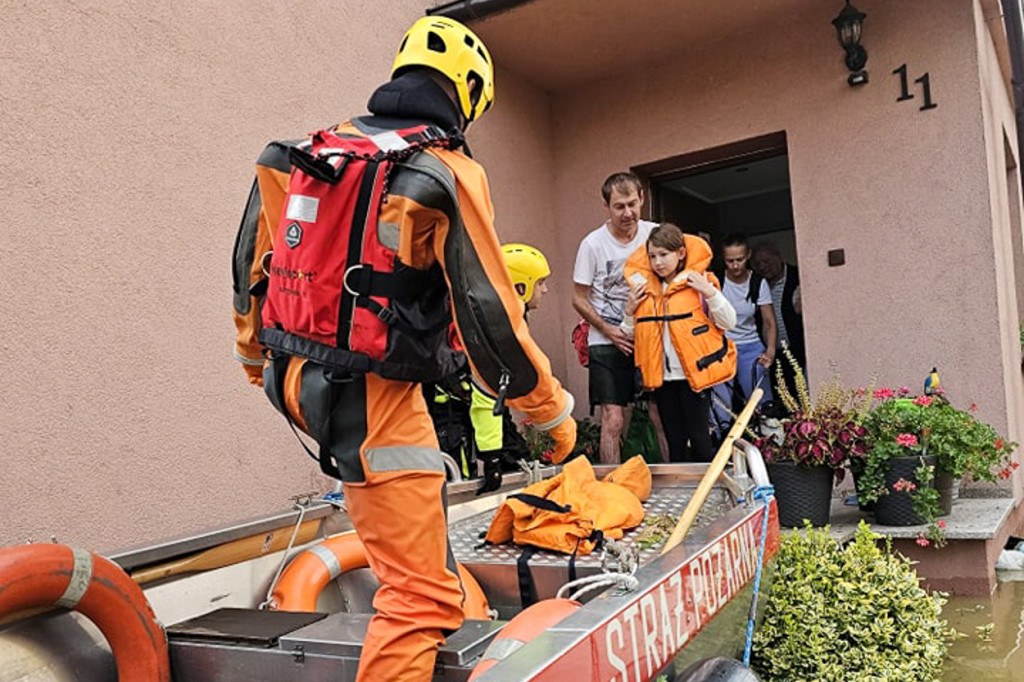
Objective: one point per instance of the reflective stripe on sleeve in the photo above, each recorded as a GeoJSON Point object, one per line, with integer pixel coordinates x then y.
{"type": "Point", "coordinates": [403, 458]}
{"type": "Point", "coordinates": [247, 361]}
{"type": "Point", "coordinates": [570, 403]}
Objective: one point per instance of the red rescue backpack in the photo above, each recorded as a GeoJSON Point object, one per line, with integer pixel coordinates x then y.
{"type": "Point", "coordinates": [334, 293]}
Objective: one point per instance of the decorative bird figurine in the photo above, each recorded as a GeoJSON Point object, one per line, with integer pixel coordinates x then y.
{"type": "Point", "coordinates": [931, 383]}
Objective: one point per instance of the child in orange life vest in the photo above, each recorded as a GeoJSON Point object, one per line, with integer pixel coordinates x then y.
{"type": "Point", "coordinates": [677, 315]}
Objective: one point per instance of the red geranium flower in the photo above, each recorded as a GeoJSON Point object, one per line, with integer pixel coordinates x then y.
{"type": "Point", "coordinates": [907, 440]}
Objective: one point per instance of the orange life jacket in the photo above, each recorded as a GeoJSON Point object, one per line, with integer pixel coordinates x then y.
{"type": "Point", "coordinates": [562, 513]}
{"type": "Point", "coordinates": [707, 356]}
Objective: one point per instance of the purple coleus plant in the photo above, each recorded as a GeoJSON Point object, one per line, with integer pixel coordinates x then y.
{"type": "Point", "coordinates": [829, 437]}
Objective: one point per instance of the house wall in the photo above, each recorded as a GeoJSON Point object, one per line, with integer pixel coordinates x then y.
{"type": "Point", "coordinates": [901, 190]}
{"type": "Point", "coordinates": [1005, 209]}
{"type": "Point", "coordinates": [130, 132]}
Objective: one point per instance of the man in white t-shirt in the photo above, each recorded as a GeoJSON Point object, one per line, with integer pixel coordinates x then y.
{"type": "Point", "coordinates": [754, 333]}
{"type": "Point", "coordinates": [599, 295]}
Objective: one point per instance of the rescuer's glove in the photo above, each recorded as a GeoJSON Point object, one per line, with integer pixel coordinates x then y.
{"type": "Point", "coordinates": [491, 462]}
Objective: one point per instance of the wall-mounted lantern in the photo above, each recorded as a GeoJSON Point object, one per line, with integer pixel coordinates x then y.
{"type": "Point", "coordinates": [848, 28]}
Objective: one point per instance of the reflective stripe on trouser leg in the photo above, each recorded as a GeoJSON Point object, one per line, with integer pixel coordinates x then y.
{"type": "Point", "coordinates": [399, 514]}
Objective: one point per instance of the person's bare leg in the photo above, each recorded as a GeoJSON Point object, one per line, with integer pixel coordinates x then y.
{"type": "Point", "coordinates": [652, 410]}
{"type": "Point", "coordinates": [611, 433]}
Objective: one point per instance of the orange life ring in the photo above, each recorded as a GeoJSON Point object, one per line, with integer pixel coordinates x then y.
{"type": "Point", "coordinates": [308, 574]}
{"type": "Point", "coordinates": [41, 575]}
{"type": "Point", "coordinates": [527, 624]}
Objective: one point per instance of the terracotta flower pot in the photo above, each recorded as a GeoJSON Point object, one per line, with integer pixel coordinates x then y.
{"type": "Point", "coordinates": [802, 492]}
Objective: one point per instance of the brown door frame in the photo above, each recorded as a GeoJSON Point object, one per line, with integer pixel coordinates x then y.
{"type": "Point", "coordinates": [693, 163]}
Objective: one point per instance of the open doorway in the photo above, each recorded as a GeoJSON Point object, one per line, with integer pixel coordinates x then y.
{"type": "Point", "coordinates": [742, 190]}
{"type": "Point", "coordinates": [736, 188]}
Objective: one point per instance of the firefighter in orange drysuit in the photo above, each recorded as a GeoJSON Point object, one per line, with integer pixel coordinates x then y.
{"type": "Point", "coordinates": [379, 431]}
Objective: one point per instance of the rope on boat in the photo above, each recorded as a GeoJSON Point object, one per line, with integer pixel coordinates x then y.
{"type": "Point", "coordinates": [268, 602]}
{"type": "Point", "coordinates": [532, 469]}
{"type": "Point", "coordinates": [619, 563]}
{"type": "Point", "coordinates": [766, 493]}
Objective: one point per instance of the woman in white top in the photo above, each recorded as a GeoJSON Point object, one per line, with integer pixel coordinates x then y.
{"type": "Point", "coordinates": [754, 333]}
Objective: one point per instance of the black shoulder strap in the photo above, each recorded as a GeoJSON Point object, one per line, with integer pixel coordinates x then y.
{"type": "Point", "coordinates": [754, 289]}
{"type": "Point", "coordinates": [542, 503]}
{"type": "Point", "coordinates": [527, 588]}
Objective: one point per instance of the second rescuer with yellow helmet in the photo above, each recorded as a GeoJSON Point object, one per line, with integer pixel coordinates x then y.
{"type": "Point", "coordinates": [529, 271]}
{"type": "Point", "coordinates": [498, 443]}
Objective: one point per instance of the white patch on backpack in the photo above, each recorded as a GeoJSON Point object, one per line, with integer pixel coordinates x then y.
{"type": "Point", "coordinates": [293, 235]}
{"type": "Point", "coordinates": [389, 141]}
{"type": "Point", "coordinates": [302, 208]}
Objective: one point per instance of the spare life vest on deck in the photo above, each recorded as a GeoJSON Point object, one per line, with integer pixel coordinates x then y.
{"type": "Point", "coordinates": [572, 511]}
{"type": "Point", "coordinates": [707, 356]}
{"type": "Point", "coordinates": [316, 273]}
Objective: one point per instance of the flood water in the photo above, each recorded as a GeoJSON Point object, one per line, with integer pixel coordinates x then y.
{"type": "Point", "coordinates": [993, 648]}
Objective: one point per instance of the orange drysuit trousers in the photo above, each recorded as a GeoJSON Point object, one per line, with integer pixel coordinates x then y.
{"type": "Point", "coordinates": [395, 494]}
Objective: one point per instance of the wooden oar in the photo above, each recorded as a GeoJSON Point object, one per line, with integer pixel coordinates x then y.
{"type": "Point", "coordinates": [230, 552]}
{"type": "Point", "coordinates": [715, 470]}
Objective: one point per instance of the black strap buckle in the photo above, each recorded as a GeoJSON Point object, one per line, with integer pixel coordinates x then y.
{"type": "Point", "coordinates": [387, 316]}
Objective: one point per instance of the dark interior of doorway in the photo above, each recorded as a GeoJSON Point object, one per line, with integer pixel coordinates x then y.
{"type": "Point", "coordinates": [738, 188]}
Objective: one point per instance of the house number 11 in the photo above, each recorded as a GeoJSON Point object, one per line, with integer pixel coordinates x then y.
{"type": "Point", "coordinates": [926, 88]}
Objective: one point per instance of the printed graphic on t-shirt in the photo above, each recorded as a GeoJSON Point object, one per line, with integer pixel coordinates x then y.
{"type": "Point", "coordinates": [616, 291]}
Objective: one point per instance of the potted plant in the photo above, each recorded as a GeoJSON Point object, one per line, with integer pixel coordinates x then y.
{"type": "Point", "coordinates": [963, 445]}
{"type": "Point", "coordinates": [816, 442]}
{"type": "Point", "coordinates": [898, 474]}
{"type": "Point", "coordinates": [912, 441]}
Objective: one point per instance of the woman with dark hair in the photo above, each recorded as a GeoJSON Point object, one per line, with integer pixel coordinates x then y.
{"type": "Point", "coordinates": [677, 316]}
{"type": "Point", "coordinates": [754, 333]}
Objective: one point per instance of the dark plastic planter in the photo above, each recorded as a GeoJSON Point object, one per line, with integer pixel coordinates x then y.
{"type": "Point", "coordinates": [802, 493]}
{"type": "Point", "coordinates": [896, 508]}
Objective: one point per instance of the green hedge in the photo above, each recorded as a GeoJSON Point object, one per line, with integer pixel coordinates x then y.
{"type": "Point", "coordinates": [854, 614]}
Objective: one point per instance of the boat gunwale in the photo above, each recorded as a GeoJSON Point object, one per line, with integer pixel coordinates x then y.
{"type": "Point", "coordinates": [534, 658]}
{"type": "Point", "coordinates": [459, 493]}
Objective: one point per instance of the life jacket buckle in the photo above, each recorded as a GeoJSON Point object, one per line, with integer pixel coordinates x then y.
{"type": "Point", "coordinates": [387, 316]}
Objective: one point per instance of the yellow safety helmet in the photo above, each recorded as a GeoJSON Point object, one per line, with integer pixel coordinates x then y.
{"type": "Point", "coordinates": [450, 48]}
{"type": "Point", "coordinates": [525, 265]}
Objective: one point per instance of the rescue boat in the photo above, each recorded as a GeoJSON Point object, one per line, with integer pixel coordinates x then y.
{"type": "Point", "coordinates": [633, 614]}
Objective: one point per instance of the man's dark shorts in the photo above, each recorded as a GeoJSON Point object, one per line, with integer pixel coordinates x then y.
{"type": "Point", "coordinates": [612, 376]}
